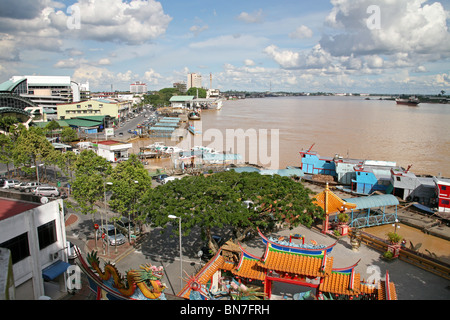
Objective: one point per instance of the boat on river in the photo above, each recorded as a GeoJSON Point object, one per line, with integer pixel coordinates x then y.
{"type": "Point", "coordinates": [411, 101]}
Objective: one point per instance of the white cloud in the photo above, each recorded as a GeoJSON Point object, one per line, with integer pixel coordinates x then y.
{"type": "Point", "coordinates": [285, 58]}
{"type": "Point", "coordinates": [411, 34]}
{"type": "Point", "coordinates": [134, 22]}
{"type": "Point", "coordinates": [152, 77]}
{"type": "Point", "coordinates": [255, 17]}
{"type": "Point", "coordinates": [249, 62]}
{"type": "Point", "coordinates": [413, 27]}
{"type": "Point", "coordinates": [301, 32]}
{"type": "Point", "coordinates": [196, 30]}
{"type": "Point", "coordinates": [104, 62]}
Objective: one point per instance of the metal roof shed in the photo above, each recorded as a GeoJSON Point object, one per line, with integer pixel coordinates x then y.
{"type": "Point", "coordinates": [375, 201]}
{"type": "Point", "coordinates": [376, 210]}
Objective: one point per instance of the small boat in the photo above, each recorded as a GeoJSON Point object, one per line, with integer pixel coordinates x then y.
{"type": "Point", "coordinates": [192, 130]}
{"type": "Point", "coordinates": [411, 101]}
{"type": "Point", "coordinates": [194, 115]}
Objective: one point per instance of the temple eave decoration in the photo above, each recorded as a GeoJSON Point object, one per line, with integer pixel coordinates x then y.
{"type": "Point", "coordinates": [307, 265]}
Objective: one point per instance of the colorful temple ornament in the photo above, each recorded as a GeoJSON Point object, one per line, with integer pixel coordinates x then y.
{"type": "Point", "coordinates": [142, 284]}
{"type": "Point", "coordinates": [309, 266]}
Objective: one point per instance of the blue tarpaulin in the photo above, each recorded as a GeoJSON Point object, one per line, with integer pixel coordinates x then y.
{"type": "Point", "coordinates": [54, 270]}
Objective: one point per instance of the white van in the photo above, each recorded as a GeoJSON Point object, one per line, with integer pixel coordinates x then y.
{"type": "Point", "coordinates": [46, 191]}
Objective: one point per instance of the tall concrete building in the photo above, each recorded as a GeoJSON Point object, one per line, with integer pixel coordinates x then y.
{"type": "Point", "coordinates": [45, 92]}
{"type": "Point", "coordinates": [138, 87]}
{"type": "Point", "coordinates": [194, 80]}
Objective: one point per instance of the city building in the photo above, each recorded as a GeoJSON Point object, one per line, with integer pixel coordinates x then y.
{"type": "Point", "coordinates": [138, 87]}
{"type": "Point", "coordinates": [181, 86]}
{"type": "Point", "coordinates": [115, 110]}
{"type": "Point", "coordinates": [113, 150]}
{"type": "Point", "coordinates": [181, 103]}
{"type": "Point", "coordinates": [194, 80]}
{"type": "Point", "coordinates": [35, 235]}
{"type": "Point", "coordinates": [44, 93]}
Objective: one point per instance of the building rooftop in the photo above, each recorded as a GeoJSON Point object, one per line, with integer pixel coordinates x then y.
{"type": "Point", "coordinates": [10, 208]}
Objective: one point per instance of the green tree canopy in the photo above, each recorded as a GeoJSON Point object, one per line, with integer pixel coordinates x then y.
{"type": "Point", "coordinates": [130, 180]}
{"type": "Point", "coordinates": [31, 147]}
{"type": "Point", "coordinates": [91, 172]}
{"type": "Point", "coordinates": [220, 200]}
{"type": "Point", "coordinates": [193, 92]}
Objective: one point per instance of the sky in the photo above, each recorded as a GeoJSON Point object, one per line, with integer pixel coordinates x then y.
{"type": "Point", "coordinates": [341, 46]}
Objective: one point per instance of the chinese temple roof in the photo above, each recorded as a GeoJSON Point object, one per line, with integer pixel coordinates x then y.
{"type": "Point", "coordinates": [312, 261]}
{"type": "Point", "coordinates": [331, 203]}
{"type": "Point", "coordinates": [296, 264]}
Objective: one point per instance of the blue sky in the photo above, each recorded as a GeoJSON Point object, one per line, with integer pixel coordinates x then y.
{"type": "Point", "coordinates": [367, 46]}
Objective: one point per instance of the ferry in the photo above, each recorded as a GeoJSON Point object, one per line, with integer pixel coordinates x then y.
{"type": "Point", "coordinates": [411, 101]}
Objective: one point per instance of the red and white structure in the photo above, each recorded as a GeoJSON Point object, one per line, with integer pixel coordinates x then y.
{"type": "Point", "coordinates": [443, 193]}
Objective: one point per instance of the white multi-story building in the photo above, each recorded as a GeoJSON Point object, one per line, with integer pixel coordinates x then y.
{"type": "Point", "coordinates": [138, 87]}
{"type": "Point", "coordinates": [35, 235]}
{"type": "Point", "coordinates": [194, 80]}
{"type": "Point", "coordinates": [48, 91]}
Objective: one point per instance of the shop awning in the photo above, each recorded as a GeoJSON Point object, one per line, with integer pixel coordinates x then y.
{"type": "Point", "coordinates": [54, 270]}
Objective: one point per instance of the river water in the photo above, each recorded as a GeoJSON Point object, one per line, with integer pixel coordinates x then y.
{"type": "Point", "coordinates": [349, 126]}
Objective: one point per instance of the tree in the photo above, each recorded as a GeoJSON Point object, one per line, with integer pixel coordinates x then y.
{"type": "Point", "coordinates": [91, 172]}
{"type": "Point", "coordinates": [221, 200]}
{"type": "Point", "coordinates": [6, 150]}
{"type": "Point", "coordinates": [6, 122]}
{"type": "Point", "coordinates": [30, 148]}
{"type": "Point", "coordinates": [68, 135]}
{"type": "Point", "coordinates": [193, 92]}
{"type": "Point", "coordinates": [130, 180]}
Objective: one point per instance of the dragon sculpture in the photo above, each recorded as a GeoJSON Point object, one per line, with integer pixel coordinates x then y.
{"type": "Point", "coordinates": [146, 279]}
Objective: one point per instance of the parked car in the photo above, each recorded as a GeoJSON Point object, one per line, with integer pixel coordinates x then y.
{"type": "Point", "coordinates": [17, 186]}
{"type": "Point", "coordinates": [168, 179]}
{"type": "Point", "coordinates": [161, 177]}
{"type": "Point", "coordinates": [123, 224]}
{"type": "Point", "coordinates": [205, 253]}
{"type": "Point", "coordinates": [29, 186]}
{"type": "Point", "coordinates": [114, 238]}
{"type": "Point", "coordinates": [46, 191]}
{"type": "Point", "coordinates": [10, 183]}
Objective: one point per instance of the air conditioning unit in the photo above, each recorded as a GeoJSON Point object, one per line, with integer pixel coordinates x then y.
{"type": "Point", "coordinates": [54, 256]}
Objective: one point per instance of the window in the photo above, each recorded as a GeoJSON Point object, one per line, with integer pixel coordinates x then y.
{"type": "Point", "coordinates": [47, 234]}
{"type": "Point", "coordinates": [18, 246]}
{"type": "Point", "coordinates": [443, 187]}
{"type": "Point", "coordinates": [398, 178]}
{"type": "Point", "coordinates": [445, 202]}
{"type": "Point", "coordinates": [78, 106]}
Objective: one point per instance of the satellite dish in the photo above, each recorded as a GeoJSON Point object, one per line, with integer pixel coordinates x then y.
{"type": "Point", "coordinates": [44, 200]}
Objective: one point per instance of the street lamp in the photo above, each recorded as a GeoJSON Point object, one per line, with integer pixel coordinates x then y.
{"type": "Point", "coordinates": [181, 259]}
{"type": "Point", "coordinates": [37, 170]}
{"type": "Point", "coordinates": [104, 226]}
{"type": "Point", "coordinates": [134, 211]}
